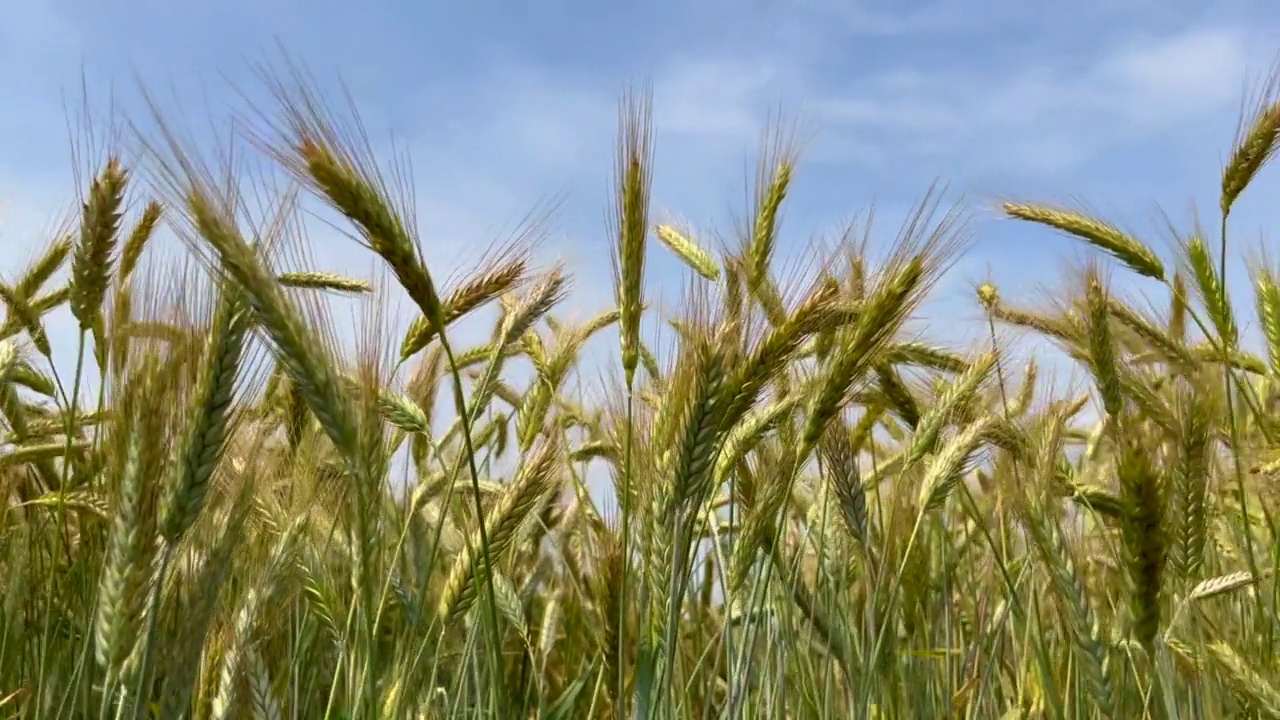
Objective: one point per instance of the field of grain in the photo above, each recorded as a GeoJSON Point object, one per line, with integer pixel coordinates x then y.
{"type": "Point", "coordinates": [226, 512]}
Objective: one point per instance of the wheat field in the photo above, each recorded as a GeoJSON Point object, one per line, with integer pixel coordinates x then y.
{"type": "Point", "coordinates": [228, 512]}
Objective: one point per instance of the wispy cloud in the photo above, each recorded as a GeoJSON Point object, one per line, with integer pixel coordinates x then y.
{"type": "Point", "coordinates": [1049, 116]}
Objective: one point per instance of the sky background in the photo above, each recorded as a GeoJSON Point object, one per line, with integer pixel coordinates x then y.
{"type": "Point", "coordinates": [1129, 105]}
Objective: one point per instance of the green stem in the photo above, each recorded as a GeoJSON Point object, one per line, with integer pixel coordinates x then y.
{"type": "Point", "coordinates": [624, 504]}
{"type": "Point", "coordinates": [1235, 429]}
{"type": "Point", "coordinates": [499, 686]}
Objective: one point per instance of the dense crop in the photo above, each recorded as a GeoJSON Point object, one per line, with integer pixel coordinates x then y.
{"type": "Point", "coordinates": [227, 512]}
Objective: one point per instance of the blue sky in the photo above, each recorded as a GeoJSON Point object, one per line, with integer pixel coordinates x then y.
{"type": "Point", "coordinates": [1127, 104]}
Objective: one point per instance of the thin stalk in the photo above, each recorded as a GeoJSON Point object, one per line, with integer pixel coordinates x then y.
{"type": "Point", "coordinates": [625, 506]}
{"type": "Point", "coordinates": [1241, 495]}
{"type": "Point", "coordinates": [63, 537]}
{"type": "Point", "coordinates": [144, 667]}
{"type": "Point", "coordinates": [496, 695]}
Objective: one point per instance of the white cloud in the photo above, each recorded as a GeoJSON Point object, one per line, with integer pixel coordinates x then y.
{"type": "Point", "coordinates": [1051, 115]}
{"type": "Point", "coordinates": [1171, 78]}
{"type": "Point", "coordinates": [1192, 63]}
{"type": "Point", "coordinates": [716, 99]}
{"type": "Point", "coordinates": [894, 19]}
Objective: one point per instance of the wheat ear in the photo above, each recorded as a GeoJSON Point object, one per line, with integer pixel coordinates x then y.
{"type": "Point", "coordinates": [202, 445]}
{"type": "Point", "coordinates": [1255, 144]}
{"type": "Point", "coordinates": [99, 227]}
{"type": "Point", "coordinates": [629, 221]}
{"type": "Point", "coordinates": [533, 484]}
{"type": "Point", "coordinates": [1102, 235]}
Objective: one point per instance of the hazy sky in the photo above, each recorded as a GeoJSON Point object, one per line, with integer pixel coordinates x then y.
{"type": "Point", "coordinates": [1124, 103]}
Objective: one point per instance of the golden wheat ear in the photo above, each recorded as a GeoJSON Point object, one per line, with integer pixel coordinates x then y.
{"type": "Point", "coordinates": [1103, 360]}
{"type": "Point", "coordinates": [94, 252]}
{"type": "Point", "coordinates": [774, 173]}
{"type": "Point", "coordinates": [1209, 287]}
{"type": "Point", "coordinates": [316, 280]}
{"type": "Point", "coordinates": [336, 162]}
{"type": "Point", "coordinates": [139, 237]}
{"type": "Point", "coordinates": [22, 316]}
{"type": "Point", "coordinates": [209, 225]}
{"type": "Point", "coordinates": [1267, 297]}
{"type": "Point", "coordinates": [628, 219]}
{"type": "Point", "coordinates": [209, 419]}
{"type": "Point", "coordinates": [1144, 533]}
{"type": "Point", "coordinates": [492, 281]}
{"type": "Point", "coordinates": [43, 267]}
{"type": "Point", "coordinates": [1099, 233]}
{"type": "Point", "coordinates": [1257, 138]}
{"type": "Point", "coordinates": [1061, 561]}
{"type": "Point", "coordinates": [534, 484]}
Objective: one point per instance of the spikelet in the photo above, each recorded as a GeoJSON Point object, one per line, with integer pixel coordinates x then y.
{"type": "Point", "coordinates": [1247, 681]}
{"type": "Point", "coordinates": [1178, 308]}
{"type": "Point", "coordinates": [23, 315]}
{"type": "Point", "coordinates": [899, 396]}
{"type": "Point", "coordinates": [840, 457]}
{"type": "Point", "coordinates": [1143, 534]}
{"type": "Point", "coordinates": [877, 323]}
{"type": "Point", "coordinates": [1224, 584]}
{"type": "Point", "coordinates": [1161, 340]}
{"type": "Point", "coordinates": [43, 268]}
{"type": "Point", "coordinates": [120, 589]}
{"type": "Point", "coordinates": [238, 656]}
{"type": "Point", "coordinates": [696, 434]}
{"type": "Point", "coordinates": [1070, 584]}
{"type": "Point", "coordinates": [949, 464]}
{"type": "Point", "coordinates": [403, 412]}
{"type": "Point", "coordinates": [1190, 484]}
{"type": "Point", "coordinates": [9, 360]}
{"type": "Point", "coordinates": [949, 405]}
{"type": "Point", "coordinates": [776, 349]}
